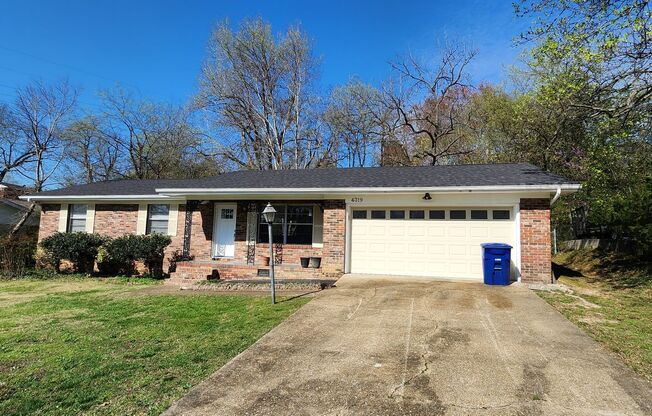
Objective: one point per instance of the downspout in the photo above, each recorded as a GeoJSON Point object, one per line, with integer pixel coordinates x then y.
{"type": "Point", "coordinates": [554, 230]}
{"type": "Point", "coordinates": [556, 197]}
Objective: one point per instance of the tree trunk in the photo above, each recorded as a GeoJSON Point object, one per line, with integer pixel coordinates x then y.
{"type": "Point", "coordinates": [22, 221]}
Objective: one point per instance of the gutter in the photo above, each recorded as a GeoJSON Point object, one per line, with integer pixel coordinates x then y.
{"type": "Point", "coordinates": [369, 190]}
{"type": "Point", "coordinates": [171, 194]}
{"type": "Point", "coordinates": [34, 198]}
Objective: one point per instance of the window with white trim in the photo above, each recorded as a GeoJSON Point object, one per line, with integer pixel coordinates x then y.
{"type": "Point", "coordinates": [77, 218]}
{"type": "Point", "coordinates": [158, 216]}
{"type": "Point", "coordinates": [292, 225]}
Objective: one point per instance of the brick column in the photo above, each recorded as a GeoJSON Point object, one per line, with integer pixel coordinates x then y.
{"type": "Point", "coordinates": [536, 259]}
{"type": "Point", "coordinates": [332, 262]}
{"type": "Point", "coordinates": [49, 222]}
{"type": "Point", "coordinates": [191, 206]}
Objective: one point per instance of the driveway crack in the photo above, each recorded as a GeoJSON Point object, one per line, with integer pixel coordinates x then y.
{"type": "Point", "coordinates": [424, 369]}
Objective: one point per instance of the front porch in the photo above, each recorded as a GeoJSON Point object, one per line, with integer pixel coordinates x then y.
{"type": "Point", "coordinates": [219, 243]}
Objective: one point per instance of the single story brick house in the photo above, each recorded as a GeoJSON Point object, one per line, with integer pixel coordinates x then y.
{"type": "Point", "coordinates": [412, 221]}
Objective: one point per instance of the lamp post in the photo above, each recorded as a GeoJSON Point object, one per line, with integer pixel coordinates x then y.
{"type": "Point", "coordinates": [268, 214]}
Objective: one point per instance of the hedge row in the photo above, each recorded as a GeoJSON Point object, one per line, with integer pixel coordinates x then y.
{"type": "Point", "coordinates": [113, 256]}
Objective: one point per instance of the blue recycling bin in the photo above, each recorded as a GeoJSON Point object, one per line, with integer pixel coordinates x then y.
{"type": "Point", "coordinates": [496, 263]}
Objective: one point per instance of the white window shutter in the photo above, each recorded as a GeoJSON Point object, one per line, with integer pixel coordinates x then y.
{"type": "Point", "coordinates": [173, 219]}
{"type": "Point", "coordinates": [317, 226]}
{"type": "Point", "coordinates": [141, 223]}
{"type": "Point", "coordinates": [63, 218]}
{"type": "Point", "coordinates": [90, 218]}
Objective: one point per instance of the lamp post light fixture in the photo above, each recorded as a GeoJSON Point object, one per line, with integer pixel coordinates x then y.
{"type": "Point", "coordinates": [268, 214]}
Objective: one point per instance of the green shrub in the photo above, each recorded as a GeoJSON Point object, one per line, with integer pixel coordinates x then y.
{"type": "Point", "coordinates": [78, 248]}
{"type": "Point", "coordinates": [16, 255]}
{"type": "Point", "coordinates": [152, 251]}
{"type": "Point", "coordinates": [118, 256]}
{"type": "Point", "coordinates": [113, 256]}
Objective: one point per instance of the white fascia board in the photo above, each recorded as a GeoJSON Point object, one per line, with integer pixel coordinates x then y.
{"type": "Point", "coordinates": [179, 194]}
{"type": "Point", "coordinates": [111, 198]}
{"type": "Point", "coordinates": [368, 190]}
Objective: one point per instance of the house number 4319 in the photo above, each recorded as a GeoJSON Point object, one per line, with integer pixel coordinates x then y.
{"type": "Point", "coordinates": [356, 199]}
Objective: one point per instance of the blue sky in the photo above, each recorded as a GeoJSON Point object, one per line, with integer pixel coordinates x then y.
{"type": "Point", "coordinates": [158, 46]}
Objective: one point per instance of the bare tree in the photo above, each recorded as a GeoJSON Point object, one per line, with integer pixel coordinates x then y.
{"type": "Point", "coordinates": [93, 152]}
{"type": "Point", "coordinates": [15, 151]}
{"type": "Point", "coordinates": [258, 87]}
{"type": "Point", "coordinates": [155, 140]}
{"type": "Point", "coordinates": [355, 117]}
{"type": "Point", "coordinates": [42, 113]}
{"type": "Point", "coordinates": [428, 105]}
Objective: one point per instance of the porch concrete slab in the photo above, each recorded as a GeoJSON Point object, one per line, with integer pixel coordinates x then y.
{"type": "Point", "coordinates": [397, 346]}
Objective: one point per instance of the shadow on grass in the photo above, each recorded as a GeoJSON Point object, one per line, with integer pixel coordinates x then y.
{"type": "Point", "coordinates": [618, 270]}
{"type": "Point", "coordinates": [561, 270]}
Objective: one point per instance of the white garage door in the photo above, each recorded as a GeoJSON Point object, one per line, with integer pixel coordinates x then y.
{"type": "Point", "coordinates": [426, 242]}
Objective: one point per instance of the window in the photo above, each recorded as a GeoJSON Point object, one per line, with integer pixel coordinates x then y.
{"type": "Point", "coordinates": [500, 214]}
{"type": "Point", "coordinates": [157, 218]}
{"type": "Point", "coordinates": [76, 218]}
{"type": "Point", "coordinates": [479, 214]}
{"type": "Point", "coordinates": [292, 225]}
{"type": "Point", "coordinates": [378, 214]}
{"type": "Point", "coordinates": [396, 214]}
{"type": "Point", "coordinates": [226, 214]}
{"type": "Point", "coordinates": [457, 214]}
{"type": "Point", "coordinates": [437, 214]}
{"type": "Point", "coordinates": [417, 215]}
{"type": "Point", "coordinates": [359, 214]}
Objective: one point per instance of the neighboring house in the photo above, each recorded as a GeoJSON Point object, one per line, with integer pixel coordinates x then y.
{"type": "Point", "coordinates": [423, 221]}
{"type": "Point", "coordinates": [12, 209]}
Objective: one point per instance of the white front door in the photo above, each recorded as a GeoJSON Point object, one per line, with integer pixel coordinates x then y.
{"type": "Point", "coordinates": [224, 230]}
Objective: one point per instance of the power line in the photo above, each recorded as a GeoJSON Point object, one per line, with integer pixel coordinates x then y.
{"type": "Point", "coordinates": [85, 103]}
{"type": "Point", "coordinates": [71, 67]}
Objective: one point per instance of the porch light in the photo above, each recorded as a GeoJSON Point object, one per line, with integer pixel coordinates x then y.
{"type": "Point", "coordinates": [269, 213]}
{"type": "Point", "coordinates": [427, 196]}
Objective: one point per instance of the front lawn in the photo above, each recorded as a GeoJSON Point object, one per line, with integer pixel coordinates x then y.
{"type": "Point", "coordinates": [117, 346]}
{"type": "Point", "coordinates": [611, 299]}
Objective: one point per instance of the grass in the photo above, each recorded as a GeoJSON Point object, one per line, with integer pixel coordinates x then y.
{"type": "Point", "coordinates": [117, 346]}
{"type": "Point", "coordinates": [611, 299]}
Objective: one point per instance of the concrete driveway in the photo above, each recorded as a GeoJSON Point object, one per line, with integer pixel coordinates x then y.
{"type": "Point", "coordinates": [395, 346]}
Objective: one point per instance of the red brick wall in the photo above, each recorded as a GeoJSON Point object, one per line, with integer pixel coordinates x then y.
{"type": "Point", "coordinates": [334, 227]}
{"type": "Point", "coordinates": [115, 220]}
{"type": "Point", "coordinates": [535, 241]}
{"type": "Point", "coordinates": [177, 240]}
{"type": "Point", "coordinates": [49, 220]}
{"type": "Point", "coordinates": [332, 253]}
{"type": "Point", "coordinates": [202, 231]}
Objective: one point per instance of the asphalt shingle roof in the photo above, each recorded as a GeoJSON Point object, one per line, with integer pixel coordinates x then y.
{"type": "Point", "coordinates": [377, 177]}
